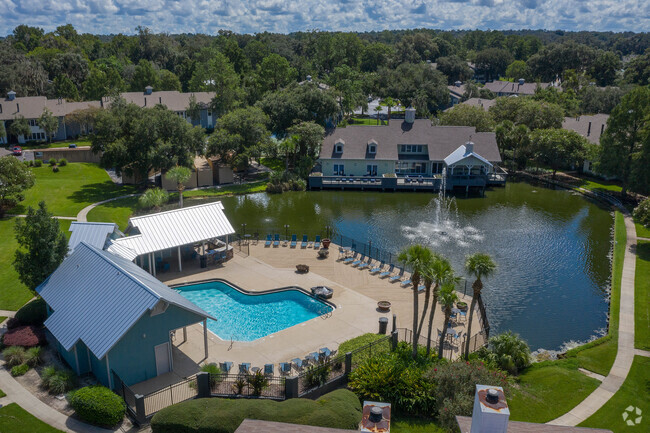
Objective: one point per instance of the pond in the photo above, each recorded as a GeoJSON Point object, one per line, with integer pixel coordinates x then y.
{"type": "Point", "coordinates": [551, 246]}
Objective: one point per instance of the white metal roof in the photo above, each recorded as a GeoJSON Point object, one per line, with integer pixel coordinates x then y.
{"type": "Point", "coordinates": [121, 250]}
{"type": "Point", "coordinates": [178, 227]}
{"type": "Point", "coordinates": [461, 153]}
{"type": "Point", "coordinates": [95, 234]}
{"type": "Point", "coordinates": [97, 297]}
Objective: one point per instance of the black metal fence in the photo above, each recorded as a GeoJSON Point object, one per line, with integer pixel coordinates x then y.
{"type": "Point", "coordinates": [451, 348]}
{"type": "Point", "coordinates": [317, 374]}
{"type": "Point", "coordinates": [232, 385]}
{"type": "Point", "coordinates": [176, 393]}
{"type": "Point", "coordinates": [125, 392]}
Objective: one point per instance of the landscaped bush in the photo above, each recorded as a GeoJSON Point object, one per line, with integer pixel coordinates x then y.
{"type": "Point", "coordinates": [14, 355]}
{"type": "Point", "coordinates": [642, 213]}
{"type": "Point", "coordinates": [339, 409]}
{"type": "Point", "coordinates": [215, 373]}
{"type": "Point", "coordinates": [38, 163]}
{"type": "Point", "coordinates": [510, 352]}
{"type": "Point", "coordinates": [33, 356]}
{"type": "Point", "coordinates": [19, 370]}
{"type": "Point", "coordinates": [97, 405]}
{"type": "Point", "coordinates": [257, 381]}
{"type": "Point", "coordinates": [58, 381]}
{"type": "Point", "coordinates": [63, 162]}
{"type": "Point", "coordinates": [32, 313]}
{"type": "Point", "coordinates": [52, 162]}
{"type": "Point", "coordinates": [317, 375]}
{"type": "Point", "coordinates": [455, 385]}
{"type": "Point", "coordinates": [55, 169]}
{"type": "Point", "coordinates": [12, 323]}
{"type": "Point", "coordinates": [25, 336]}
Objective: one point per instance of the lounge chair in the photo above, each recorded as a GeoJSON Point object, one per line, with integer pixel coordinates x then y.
{"type": "Point", "coordinates": [325, 352]}
{"type": "Point", "coordinates": [225, 367]}
{"type": "Point", "coordinates": [294, 241]}
{"type": "Point", "coordinates": [377, 268]}
{"type": "Point", "coordinates": [244, 367]}
{"type": "Point", "coordinates": [351, 259]}
{"type": "Point", "coordinates": [268, 369]}
{"type": "Point", "coordinates": [384, 274]}
{"type": "Point", "coordinates": [405, 282]}
{"type": "Point", "coordinates": [357, 262]}
{"type": "Point", "coordinates": [421, 288]}
{"type": "Point", "coordinates": [364, 265]}
{"type": "Point", "coordinates": [285, 368]}
{"type": "Point", "coordinates": [297, 363]}
{"type": "Point", "coordinates": [313, 357]}
{"type": "Point", "coordinates": [398, 276]}
{"type": "Point", "coordinates": [317, 243]}
{"type": "Point", "coordinates": [276, 240]}
{"type": "Point", "coordinates": [269, 239]}
{"type": "Point", "coordinates": [304, 242]}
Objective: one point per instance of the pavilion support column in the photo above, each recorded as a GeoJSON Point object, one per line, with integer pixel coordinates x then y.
{"type": "Point", "coordinates": [150, 269]}
{"type": "Point", "coordinates": [205, 337]}
{"type": "Point", "coordinates": [184, 334]}
{"type": "Point", "coordinates": [153, 259]}
{"type": "Point", "coordinates": [180, 266]}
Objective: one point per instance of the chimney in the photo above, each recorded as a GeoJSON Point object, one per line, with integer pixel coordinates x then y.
{"type": "Point", "coordinates": [148, 90]}
{"type": "Point", "coordinates": [469, 147]}
{"type": "Point", "coordinates": [309, 78]}
{"type": "Point", "coordinates": [589, 129]}
{"type": "Point", "coordinates": [409, 115]}
{"type": "Point", "coordinates": [521, 81]}
{"type": "Point", "coordinates": [17, 107]}
{"type": "Point", "coordinates": [375, 417]}
{"type": "Point", "coordinates": [160, 99]}
{"type": "Point", "coordinates": [11, 95]}
{"type": "Point", "coordinates": [145, 101]}
{"type": "Point", "coordinates": [458, 83]}
{"type": "Point", "coordinates": [602, 129]}
{"type": "Point", "coordinates": [491, 412]}
{"type": "Point", "coordinates": [101, 103]}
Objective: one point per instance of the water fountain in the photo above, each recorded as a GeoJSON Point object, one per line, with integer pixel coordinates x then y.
{"type": "Point", "coordinates": [443, 225]}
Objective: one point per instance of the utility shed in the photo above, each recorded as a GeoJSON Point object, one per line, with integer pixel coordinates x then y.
{"type": "Point", "coordinates": [110, 317]}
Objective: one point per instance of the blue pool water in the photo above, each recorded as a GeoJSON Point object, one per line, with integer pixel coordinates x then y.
{"type": "Point", "coordinates": [244, 317]}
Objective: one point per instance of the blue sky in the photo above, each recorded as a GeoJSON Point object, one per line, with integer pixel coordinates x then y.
{"type": "Point", "coordinates": [252, 16]}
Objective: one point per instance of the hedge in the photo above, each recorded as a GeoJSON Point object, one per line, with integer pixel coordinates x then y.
{"type": "Point", "coordinates": [338, 409]}
{"type": "Point", "coordinates": [32, 313]}
{"type": "Point", "coordinates": [98, 405]}
{"type": "Point", "coordinates": [19, 370]}
{"type": "Point", "coordinates": [25, 336]}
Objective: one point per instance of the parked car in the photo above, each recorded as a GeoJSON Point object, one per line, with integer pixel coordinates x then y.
{"type": "Point", "coordinates": [17, 150]}
{"type": "Point", "coordinates": [72, 145]}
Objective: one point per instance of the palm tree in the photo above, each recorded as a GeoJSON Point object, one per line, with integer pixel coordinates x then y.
{"type": "Point", "coordinates": [417, 257]}
{"type": "Point", "coordinates": [510, 351]}
{"type": "Point", "coordinates": [479, 265]}
{"type": "Point", "coordinates": [448, 298]}
{"type": "Point", "coordinates": [180, 175]}
{"type": "Point", "coordinates": [440, 271]}
{"type": "Point", "coordinates": [378, 110]}
{"type": "Point", "coordinates": [153, 198]}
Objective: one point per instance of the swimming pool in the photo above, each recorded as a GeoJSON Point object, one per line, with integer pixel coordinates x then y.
{"type": "Point", "coordinates": [247, 317]}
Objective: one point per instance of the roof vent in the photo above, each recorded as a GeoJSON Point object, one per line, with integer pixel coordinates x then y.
{"type": "Point", "coordinates": [491, 412]}
{"type": "Point", "coordinates": [458, 83]}
{"type": "Point", "coordinates": [469, 147]}
{"type": "Point", "coordinates": [521, 81]}
{"type": "Point", "coordinates": [148, 90]}
{"type": "Point", "coordinates": [409, 115]}
{"type": "Point", "coordinates": [375, 417]}
{"type": "Point", "coordinates": [11, 95]}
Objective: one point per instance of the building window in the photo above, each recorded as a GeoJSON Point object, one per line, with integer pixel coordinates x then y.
{"type": "Point", "coordinates": [32, 122]}
{"type": "Point", "coordinates": [411, 148]}
{"type": "Point", "coordinates": [372, 148]}
{"type": "Point", "coordinates": [209, 113]}
{"type": "Point", "coordinates": [339, 148]}
{"type": "Point", "coordinates": [339, 170]}
{"type": "Point", "coordinates": [371, 170]}
{"type": "Point", "coordinates": [403, 167]}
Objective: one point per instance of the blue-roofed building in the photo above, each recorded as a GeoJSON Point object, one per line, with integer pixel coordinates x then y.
{"type": "Point", "coordinates": [109, 316]}
{"type": "Point", "coordinates": [97, 235]}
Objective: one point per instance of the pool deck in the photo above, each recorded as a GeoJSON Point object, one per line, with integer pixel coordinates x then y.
{"type": "Point", "coordinates": [356, 293]}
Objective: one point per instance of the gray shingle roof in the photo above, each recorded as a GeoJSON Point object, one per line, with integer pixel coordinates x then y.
{"type": "Point", "coordinates": [97, 297]}
{"type": "Point", "coordinates": [172, 99]}
{"type": "Point", "coordinates": [441, 140]}
{"type": "Point", "coordinates": [480, 102]}
{"type": "Point", "coordinates": [515, 88]}
{"type": "Point", "coordinates": [31, 107]}
{"type": "Point", "coordinates": [581, 125]}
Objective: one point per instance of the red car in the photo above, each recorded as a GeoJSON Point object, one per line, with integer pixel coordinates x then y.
{"type": "Point", "coordinates": [17, 150]}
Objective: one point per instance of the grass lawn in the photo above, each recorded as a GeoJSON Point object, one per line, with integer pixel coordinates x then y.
{"type": "Point", "coordinates": [642, 296]}
{"type": "Point", "coordinates": [548, 390]}
{"type": "Point", "coordinates": [641, 231]}
{"type": "Point", "coordinates": [74, 187]}
{"type": "Point", "coordinates": [594, 184]}
{"type": "Point", "coordinates": [598, 356]}
{"type": "Point", "coordinates": [634, 392]}
{"type": "Point", "coordinates": [15, 419]}
{"type": "Point", "coordinates": [414, 425]}
{"type": "Point", "coordinates": [275, 164]}
{"type": "Point", "coordinates": [81, 142]}
{"type": "Point", "coordinates": [363, 121]}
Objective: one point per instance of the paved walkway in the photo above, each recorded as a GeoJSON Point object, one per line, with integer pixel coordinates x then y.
{"type": "Point", "coordinates": [626, 351]}
{"type": "Point", "coordinates": [7, 313]}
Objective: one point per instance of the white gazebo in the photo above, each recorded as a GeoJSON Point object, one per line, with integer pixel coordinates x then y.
{"type": "Point", "coordinates": [158, 235]}
{"type": "Point", "coordinates": [464, 161]}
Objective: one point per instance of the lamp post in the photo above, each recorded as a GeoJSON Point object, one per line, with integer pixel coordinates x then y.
{"type": "Point", "coordinates": [327, 232]}
{"type": "Point", "coordinates": [243, 229]}
{"type": "Point", "coordinates": [286, 231]}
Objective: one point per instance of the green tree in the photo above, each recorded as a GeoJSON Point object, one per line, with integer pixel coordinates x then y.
{"type": "Point", "coordinates": [625, 149]}
{"type": "Point", "coordinates": [517, 69]}
{"type": "Point", "coordinates": [28, 37]}
{"type": "Point", "coordinates": [478, 265]}
{"type": "Point", "coordinates": [15, 178]}
{"type": "Point", "coordinates": [375, 56]}
{"type": "Point", "coordinates": [153, 198]}
{"type": "Point", "coordinates": [527, 111]}
{"type": "Point", "coordinates": [493, 62]}
{"type": "Point", "coordinates": [642, 213]}
{"type": "Point", "coordinates": [438, 272]}
{"type": "Point", "coordinates": [180, 175]}
{"type": "Point", "coordinates": [637, 71]}
{"type": "Point", "coordinates": [167, 80]}
{"type": "Point", "coordinates": [309, 138]}
{"type": "Point", "coordinates": [3, 131]}
{"type": "Point", "coordinates": [513, 142]}
{"type": "Point", "coordinates": [144, 75]}
{"type": "Point", "coordinates": [194, 110]}
{"type": "Point", "coordinates": [596, 100]}
{"type": "Point", "coordinates": [415, 84]}
{"type": "Point", "coordinates": [217, 74]}
{"type": "Point", "coordinates": [448, 298]}
{"type": "Point", "coordinates": [558, 148]}
{"type": "Point", "coordinates": [467, 115]}
{"type": "Point", "coordinates": [417, 258]}
{"type": "Point", "coordinates": [554, 59]}
{"type": "Point", "coordinates": [455, 68]}
{"type": "Point", "coordinates": [510, 352]}
{"type": "Point", "coordinates": [48, 123]}
{"type": "Point", "coordinates": [605, 68]}
{"type": "Point", "coordinates": [19, 127]}
{"type": "Point", "coordinates": [275, 72]}
{"type": "Point", "coordinates": [64, 88]}
{"type": "Point", "coordinates": [42, 246]}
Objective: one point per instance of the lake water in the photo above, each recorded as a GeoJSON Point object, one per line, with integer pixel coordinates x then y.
{"type": "Point", "coordinates": [551, 246]}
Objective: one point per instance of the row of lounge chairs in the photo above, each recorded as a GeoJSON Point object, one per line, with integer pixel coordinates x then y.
{"type": "Point", "coordinates": [391, 272]}
{"type": "Point", "coordinates": [275, 241]}
{"type": "Point", "coordinates": [298, 364]}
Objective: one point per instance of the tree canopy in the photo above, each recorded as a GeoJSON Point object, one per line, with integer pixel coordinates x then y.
{"type": "Point", "coordinates": [15, 178]}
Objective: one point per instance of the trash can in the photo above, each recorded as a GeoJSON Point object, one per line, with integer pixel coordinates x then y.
{"type": "Point", "coordinates": [383, 325]}
{"type": "Point", "coordinates": [204, 261]}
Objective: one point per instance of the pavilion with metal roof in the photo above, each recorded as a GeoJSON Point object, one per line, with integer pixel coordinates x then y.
{"type": "Point", "coordinates": [156, 236]}
{"type": "Point", "coordinates": [110, 317]}
{"type": "Point", "coordinates": [464, 161]}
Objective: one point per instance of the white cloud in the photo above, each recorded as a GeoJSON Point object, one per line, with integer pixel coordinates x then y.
{"type": "Point", "coordinates": [251, 16]}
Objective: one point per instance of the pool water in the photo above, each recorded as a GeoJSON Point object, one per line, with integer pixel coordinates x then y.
{"type": "Point", "coordinates": [243, 317]}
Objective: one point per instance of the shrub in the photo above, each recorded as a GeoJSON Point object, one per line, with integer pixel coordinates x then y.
{"type": "Point", "coordinates": [215, 373]}
{"type": "Point", "coordinates": [317, 375]}
{"type": "Point", "coordinates": [258, 382]}
{"type": "Point", "coordinates": [510, 352]}
{"type": "Point", "coordinates": [33, 356]}
{"type": "Point", "coordinates": [52, 162]}
{"type": "Point", "coordinates": [38, 163]}
{"type": "Point", "coordinates": [642, 213]}
{"type": "Point", "coordinates": [19, 370]}
{"type": "Point", "coordinates": [58, 381]}
{"type": "Point", "coordinates": [455, 386]}
{"type": "Point", "coordinates": [14, 355]}
{"type": "Point", "coordinates": [97, 405]}
{"type": "Point", "coordinates": [238, 386]}
{"type": "Point", "coordinates": [32, 313]}
{"type": "Point", "coordinates": [339, 409]}
{"type": "Point", "coordinates": [55, 169]}
{"type": "Point", "coordinates": [25, 336]}
{"type": "Point", "coordinates": [12, 323]}
{"type": "Point", "coordinates": [63, 162]}
{"type": "Point", "coordinates": [27, 163]}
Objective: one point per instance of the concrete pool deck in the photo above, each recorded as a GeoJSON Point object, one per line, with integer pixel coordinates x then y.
{"type": "Point", "coordinates": [356, 293]}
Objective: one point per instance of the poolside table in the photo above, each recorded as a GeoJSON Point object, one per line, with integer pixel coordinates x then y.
{"type": "Point", "coordinates": [325, 351]}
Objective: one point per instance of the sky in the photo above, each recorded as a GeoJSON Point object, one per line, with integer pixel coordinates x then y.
{"type": "Point", "coordinates": [253, 16]}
